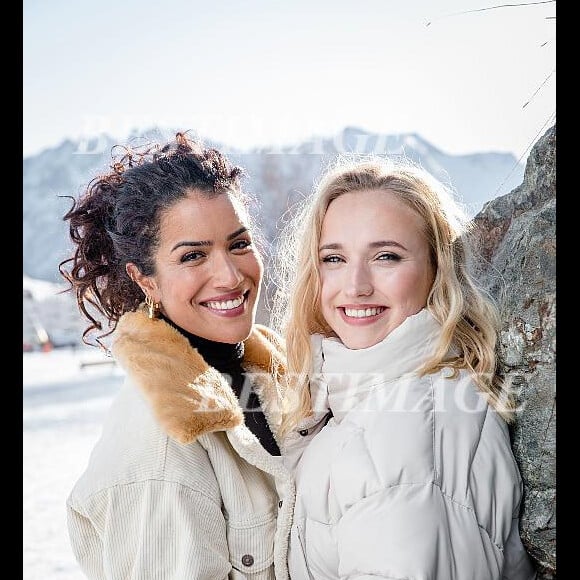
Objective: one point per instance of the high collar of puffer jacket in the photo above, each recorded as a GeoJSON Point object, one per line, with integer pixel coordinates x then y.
{"type": "Point", "coordinates": [188, 397]}
{"type": "Point", "coordinates": [342, 376]}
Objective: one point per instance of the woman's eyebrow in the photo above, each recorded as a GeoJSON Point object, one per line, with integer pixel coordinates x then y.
{"type": "Point", "coordinates": [373, 245]}
{"type": "Point", "coordinates": [192, 244]}
{"type": "Point", "coordinates": [205, 243]}
{"type": "Point", "coordinates": [237, 233]}
{"type": "Point", "coordinates": [382, 243]}
{"type": "Point", "coordinates": [330, 247]}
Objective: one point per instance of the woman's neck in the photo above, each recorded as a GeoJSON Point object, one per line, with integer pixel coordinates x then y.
{"type": "Point", "coordinates": [220, 355]}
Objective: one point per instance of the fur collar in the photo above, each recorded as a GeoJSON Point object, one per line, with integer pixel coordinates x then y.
{"type": "Point", "coordinates": [188, 397]}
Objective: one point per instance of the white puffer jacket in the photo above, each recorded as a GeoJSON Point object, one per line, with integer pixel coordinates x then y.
{"type": "Point", "coordinates": [412, 478]}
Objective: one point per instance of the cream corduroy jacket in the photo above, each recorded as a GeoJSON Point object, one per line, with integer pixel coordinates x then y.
{"type": "Point", "coordinates": [177, 487]}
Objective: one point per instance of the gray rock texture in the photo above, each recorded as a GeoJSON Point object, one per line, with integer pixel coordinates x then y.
{"type": "Point", "coordinates": [517, 235]}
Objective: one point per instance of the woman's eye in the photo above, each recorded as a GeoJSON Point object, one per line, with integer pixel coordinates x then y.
{"type": "Point", "coordinates": [192, 256]}
{"type": "Point", "coordinates": [387, 256]}
{"type": "Point", "coordinates": [241, 244]}
{"type": "Point", "coordinates": [331, 259]}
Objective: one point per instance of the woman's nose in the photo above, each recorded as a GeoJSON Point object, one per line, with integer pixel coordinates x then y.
{"type": "Point", "coordinates": [358, 282]}
{"type": "Point", "coordinates": [226, 272]}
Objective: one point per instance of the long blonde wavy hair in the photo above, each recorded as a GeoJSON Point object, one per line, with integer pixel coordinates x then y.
{"type": "Point", "coordinates": [468, 315]}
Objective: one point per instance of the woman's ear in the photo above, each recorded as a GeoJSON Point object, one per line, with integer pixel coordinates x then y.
{"type": "Point", "coordinates": [132, 271]}
{"type": "Point", "coordinates": [144, 282]}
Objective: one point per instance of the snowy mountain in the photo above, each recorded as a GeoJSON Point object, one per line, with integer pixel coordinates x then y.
{"type": "Point", "coordinates": [276, 176]}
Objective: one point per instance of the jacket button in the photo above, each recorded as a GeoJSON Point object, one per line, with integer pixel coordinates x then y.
{"type": "Point", "coordinates": [247, 560]}
{"type": "Point", "coordinates": [280, 504]}
{"type": "Point", "coordinates": [303, 432]}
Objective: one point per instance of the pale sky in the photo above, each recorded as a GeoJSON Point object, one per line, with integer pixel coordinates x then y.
{"type": "Point", "coordinates": [271, 72]}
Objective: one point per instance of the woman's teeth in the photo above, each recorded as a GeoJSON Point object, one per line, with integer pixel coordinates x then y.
{"type": "Point", "coordinates": [363, 313]}
{"type": "Point", "coordinates": [226, 304]}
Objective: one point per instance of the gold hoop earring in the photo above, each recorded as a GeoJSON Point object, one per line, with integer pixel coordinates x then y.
{"type": "Point", "coordinates": [153, 307]}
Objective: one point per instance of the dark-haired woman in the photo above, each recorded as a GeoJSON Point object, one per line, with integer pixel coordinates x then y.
{"type": "Point", "coordinates": [186, 481]}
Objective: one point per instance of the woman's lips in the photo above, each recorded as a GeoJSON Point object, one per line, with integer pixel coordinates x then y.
{"type": "Point", "coordinates": [228, 306]}
{"type": "Point", "coordinates": [361, 315]}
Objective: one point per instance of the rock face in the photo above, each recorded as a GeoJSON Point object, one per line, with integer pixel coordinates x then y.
{"type": "Point", "coordinates": [517, 233]}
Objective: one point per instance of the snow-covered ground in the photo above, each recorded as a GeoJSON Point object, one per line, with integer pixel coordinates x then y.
{"type": "Point", "coordinates": [64, 403]}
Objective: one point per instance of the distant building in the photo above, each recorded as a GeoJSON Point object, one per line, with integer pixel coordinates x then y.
{"type": "Point", "coordinates": [49, 320]}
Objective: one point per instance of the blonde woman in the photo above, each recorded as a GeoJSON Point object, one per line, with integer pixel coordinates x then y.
{"type": "Point", "coordinates": [397, 423]}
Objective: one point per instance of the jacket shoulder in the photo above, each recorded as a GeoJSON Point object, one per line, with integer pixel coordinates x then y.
{"type": "Point", "coordinates": [133, 451]}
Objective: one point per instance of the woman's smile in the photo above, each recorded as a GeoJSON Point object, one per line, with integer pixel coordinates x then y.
{"type": "Point", "coordinates": [362, 314]}
{"type": "Point", "coordinates": [228, 306]}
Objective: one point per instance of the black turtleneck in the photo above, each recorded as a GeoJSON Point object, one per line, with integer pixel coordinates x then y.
{"type": "Point", "coordinates": [227, 359]}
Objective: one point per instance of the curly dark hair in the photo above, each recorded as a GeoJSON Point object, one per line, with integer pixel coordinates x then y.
{"type": "Point", "coordinates": [116, 220]}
